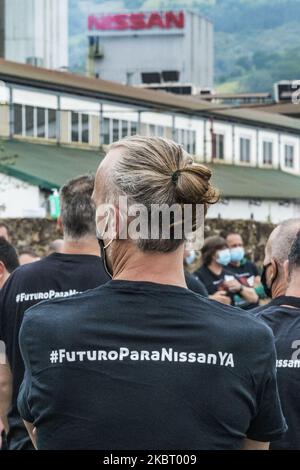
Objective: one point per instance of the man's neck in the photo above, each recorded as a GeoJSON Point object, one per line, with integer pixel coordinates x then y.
{"type": "Point", "coordinates": [279, 290]}
{"type": "Point", "coordinates": [161, 268]}
{"type": "Point", "coordinates": [82, 246]}
{"type": "Point", "coordinates": [293, 290]}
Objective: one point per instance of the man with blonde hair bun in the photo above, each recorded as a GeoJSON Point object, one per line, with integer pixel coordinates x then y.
{"type": "Point", "coordinates": [143, 362]}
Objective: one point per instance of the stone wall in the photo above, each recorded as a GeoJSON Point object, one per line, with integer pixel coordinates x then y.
{"type": "Point", "coordinates": [38, 233]}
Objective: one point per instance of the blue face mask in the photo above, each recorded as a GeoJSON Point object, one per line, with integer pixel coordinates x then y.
{"type": "Point", "coordinates": [190, 258]}
{"type": "Point", "coordinates": [237, 254]}
{"type": "Point", "coordinates": [223, 257]}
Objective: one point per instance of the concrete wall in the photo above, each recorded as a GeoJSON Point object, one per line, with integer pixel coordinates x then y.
{"type": "Point", "coordinates": [38, 233]}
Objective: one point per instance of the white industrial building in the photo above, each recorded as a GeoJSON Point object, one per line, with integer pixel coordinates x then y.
{"type": "Point", "coordinates": [54, 126]}
{"type": "Point", "coordinates": [35, 32]}
{"type": "Point", "coordinates": [152, 47]}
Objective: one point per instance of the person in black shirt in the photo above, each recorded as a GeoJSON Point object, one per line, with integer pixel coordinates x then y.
{"type": "Point", "coordinates": [245, 272]}
{"type": "Point", "coordinates": [4, 232]}
{"type": "Point", "coordinates": [8, 263]}
{"type": "Point", "coordinates": [142, 362]}
{"type": "Point", "coordinates": [8, 260]}
{"type": "Point", "coordinates": [284, 319]}
{"type": "Point", "coordinates": [77, 269]}
{"type": "Point", "coordinates": [193, 282]}
{"type": "Point", "coordinates": [215, 256]}
{"type": "Point", "coordinates": [277, 251]}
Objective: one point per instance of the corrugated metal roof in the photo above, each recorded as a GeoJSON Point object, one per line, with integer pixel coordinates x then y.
{"type": "Point", "coordinates": [255, 183]}
{"type": "Point", "coordinates": [84, 85]}
{"type": "Point", "coordinates": [50, 166]}
{"type": "Point", "coordinates": [278, 108]}
{"type": "Point", "coordinates": [47, 166]}
{"type": "Point", "coordinates": [259, 116]}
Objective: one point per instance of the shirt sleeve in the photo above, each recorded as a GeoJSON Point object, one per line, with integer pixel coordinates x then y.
{"type": "Point", "coordinates": [269, 424]}
{"type": "Point", "coordinates": [25, 389]}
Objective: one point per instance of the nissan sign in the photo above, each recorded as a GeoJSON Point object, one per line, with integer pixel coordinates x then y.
{"type": "Point", "coordinates": [168, 20]}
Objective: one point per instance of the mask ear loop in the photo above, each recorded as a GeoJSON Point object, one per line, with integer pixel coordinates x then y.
{"type": "Point", "coordinates": [108, 244]}
{"type": "Point", "coordinates": [101, 236]}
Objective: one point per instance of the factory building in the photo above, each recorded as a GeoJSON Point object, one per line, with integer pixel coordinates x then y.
{"type": "Point", "coordinates": [154, 47]}
{"type": "Point", "coordinates": [35, 32]}
{"type": "Point", "coordinates": [54, 126]}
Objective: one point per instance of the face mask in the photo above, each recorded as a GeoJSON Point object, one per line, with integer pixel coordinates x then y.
{"type": "Point", "coordinates": [190, 258]}
{"type": "Point", "coordinates": [224, 257]}
{"type": "Point", "coordinates": [237, 254]}
{"type": "Point", "coordinates": [102, 250]}
{"type": "Point", "coordinates": [268, 289]}
{"type": "Point", "coordinates": [103, 256]}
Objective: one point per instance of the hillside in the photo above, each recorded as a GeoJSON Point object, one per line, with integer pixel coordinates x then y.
{"type": "Point", "coordinates": [257, 42]}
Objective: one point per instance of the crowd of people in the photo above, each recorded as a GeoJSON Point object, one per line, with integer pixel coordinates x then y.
{"type": "Point", "coordinates": [150, 345]}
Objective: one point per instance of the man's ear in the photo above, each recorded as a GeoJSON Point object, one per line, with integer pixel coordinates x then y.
{"type": "Point", "coordinates": [286, 271]}
{"type": "Point", "coordinates": [59, 225]}
{"type": "Point", "coordinates": [273, 271]}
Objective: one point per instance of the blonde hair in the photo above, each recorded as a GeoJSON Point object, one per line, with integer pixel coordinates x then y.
{"type": "Point", "coordinates": [154, 170]}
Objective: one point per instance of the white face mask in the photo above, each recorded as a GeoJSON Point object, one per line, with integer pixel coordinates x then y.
{"type": "Point", "coordinates": [191, 257]}
{"type": "Point", "coordinates": [223, 257]}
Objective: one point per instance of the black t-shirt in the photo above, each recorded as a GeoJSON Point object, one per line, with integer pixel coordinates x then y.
{"type": "Point", "coordinates": [213, 282]}
{"type": "Point", "coordinates": [139, 365]}
{"type": "Point", "coordinates": [57, 275]}
{"type": "Point", "coordinates": [245, 273]}
{"type": "Point", "coordinates": [194, 284]}
{"type": "Point", "coordinates": [285, 323]}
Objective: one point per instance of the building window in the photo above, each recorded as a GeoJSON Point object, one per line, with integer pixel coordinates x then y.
{"type": "Point", "coordinates": [85, 125]}
{"type": "Point", "coordinates": [74, 127]}
{"type": "Point", "coordinates": [289, 156]}
{"type": "Point", "coordinates": [267, 153]}
{"type": "Point", "coordinates": [18, 118]}
{"type": "Point", "coordinates": [115, 135]}
{"type": "Point", "coordinates": [51, 121]}
{"type": "Point", "coordinates": [30, 121]}
{"type": "Point", "coordinates": [191, 142]}
{"type": "Point", "coordinates": [133, 128]}
{"type": "Point", "coordinates": [115, 129]}
{"type": "Point", "coordinates": [218, 146]}
{"type": "Point", "coordinates": [124, 129]}
{"type": "Point", "coordinates": [157, 131]}
{"type": "Point", "coordinates": [245, 146]}
{"type": "Point", "coordinates": [80, 127]}
{"type": "Point", "coordinates": [151, 131]}
{"type": "Point", "coordinates": [106, 131]}
{"type": "Point", "coordinates": [41, 122]}
{"type": "Point", "coordinates": [160, 131]}
{"type": "Point", "coordinates": [186, 138]}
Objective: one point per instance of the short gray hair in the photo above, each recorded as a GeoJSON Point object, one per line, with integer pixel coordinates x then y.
{"type": "Point", "coordinates": [282, 243]}
{"type": "Point", "coordinates": [76, 207]}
